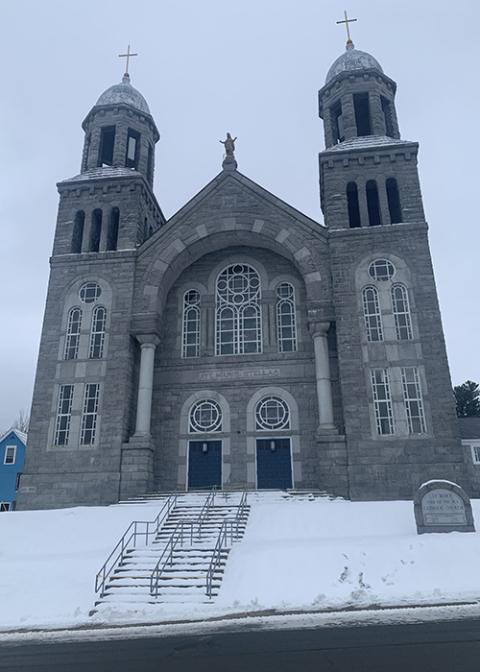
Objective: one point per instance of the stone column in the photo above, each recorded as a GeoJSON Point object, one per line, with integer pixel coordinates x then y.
{"type": "Point", "coordinates": [362, 202]}
{"type": "Point", "coordinates": [322, 374]}
{"type": "Point", "coordinates": [148, 343]}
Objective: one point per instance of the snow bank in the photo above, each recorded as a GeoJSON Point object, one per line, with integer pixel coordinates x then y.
{"type": "Point", "coordinates": [295, 555]}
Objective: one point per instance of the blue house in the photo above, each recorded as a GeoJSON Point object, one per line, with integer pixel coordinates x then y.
{"type": "Point", "coordinates": [12, 456]}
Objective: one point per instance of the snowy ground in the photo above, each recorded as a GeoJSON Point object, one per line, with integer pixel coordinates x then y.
{"type": "Point", "coordinates": [296, 555]}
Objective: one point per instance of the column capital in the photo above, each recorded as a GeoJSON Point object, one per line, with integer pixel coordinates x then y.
{"type": "Point", "coordinates": [317, 328]}
{"type": "Point", "coordinates": [148, 339]}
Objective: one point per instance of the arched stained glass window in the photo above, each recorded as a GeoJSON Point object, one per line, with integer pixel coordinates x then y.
{"type": "Point", "coordinates": [191, 324]}
{"type": "Point", "coordinates": [372, 314]}
{"type": "Point", "coordinates": [401, 312]}
{"type": "Point", "coordinates": [285, 314]}
{"type": "Point", "coordinates": [97, 332]}
{"type": "Point", "coordinates": [72, 338]}
{"type": "Point", "coordinates": [205, 416]}
{"type": "Point", "coordinates": [238, 313]}
{"type": "Point", "coordinates": [272, 413]}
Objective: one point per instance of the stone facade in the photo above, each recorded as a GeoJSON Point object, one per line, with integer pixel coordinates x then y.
{"type": "Point", "coordinates": [146, 387]}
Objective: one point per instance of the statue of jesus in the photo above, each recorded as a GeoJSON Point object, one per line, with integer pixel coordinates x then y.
{"type": "Point", "coordinates": [229, 144]}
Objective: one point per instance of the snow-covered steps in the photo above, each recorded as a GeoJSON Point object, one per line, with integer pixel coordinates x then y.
{"type": "Point", "coordinates": [179, 557]}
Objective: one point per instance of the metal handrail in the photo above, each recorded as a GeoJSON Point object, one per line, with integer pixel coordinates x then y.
{"type": "Point", "coordinates": [240, 511]}
{"type": "Point", "coordinates": [209, 502]}
{"type": "Point", "coordinates": [222, 540]}
{"type": "Point", "coordinates": [136, 529]}
{"type": "Point", "coordinates": [176, 538]}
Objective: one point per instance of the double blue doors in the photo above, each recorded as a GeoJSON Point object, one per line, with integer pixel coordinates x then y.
{"type": "Point", "coordinates": [204, 465]}
{"type": "Point", "coordinates": [274, 464]}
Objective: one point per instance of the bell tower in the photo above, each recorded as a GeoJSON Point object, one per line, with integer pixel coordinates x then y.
{"type": "Point", "coordinates": [395, 382]}
{"type": "Point", "coordinates": [377, 184]}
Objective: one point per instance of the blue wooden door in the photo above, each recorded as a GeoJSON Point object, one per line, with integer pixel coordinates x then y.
{"type": "Point", "coordinates": [204, 464]}
{"type": "Point", "coordinates": [274, 464]}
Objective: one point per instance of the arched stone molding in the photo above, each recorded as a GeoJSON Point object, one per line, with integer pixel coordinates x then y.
{"type": "Point", "coordinates": [185, 436]}
{"type": "Point", "coordinates": [71, 299]}
{"type": "Point", "coordinates": [300, 315]}
{"type": "Point", "coordinates": [202, 290]}
{"type": "Point", "coordinates": [198, 396]}
{"type": "Point", "coordinates": [177, 248]}
{"type": "Point", "coordinates": [273, 391]}
{"type": "Point", "coordinates": [402, 276]}
{"type": "Point", "coordinates": [252, 433]}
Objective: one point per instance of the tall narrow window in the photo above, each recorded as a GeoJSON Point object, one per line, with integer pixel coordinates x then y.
{"type": "Point", "coordinates": [353, 207]}
{"type": "Point", "coordinates": [382, 401]}
{"type": "Point", "coordinates": [412, 395]}
{"type": "Point", "coordinates": [238, 319]}
{"type": "Point", "coordinates": [191, 324]}
{"type": "Point", "coordinates": [286, 322]}
{"type": "Point", "coordinates": [393, 198]}
{"type": "Point", "coordinates": [77, 235]}
{"type": "Point", "coordinates": [372, 314]}
{"type": "Point", "coordinates": [388, 116]}
{"type": "Point", "coordinates": [72, 337]}
{"type": "Point", "coordinates": [95, 230]}
{"type": "Point", "coordinates": [401, 312]}
{"type": "Point", "coordinates": [89, 414]}
{"type": "Point", "coordinates": [337, 123]}
{"type": "Point", "coordinates": [150, 164]}
{"type": "Point", "coordinates": [373, 204]}
{"type": "Point", "coordinates": [107, 143]}
{"type": "Point", "coordinates": [112, 233]}
{"type": "Point", "coordinates": [64, 415]}
{"type": "Point", "coordinates": [362, 113]}
{"type": "Point", "coordinates": [133, 149]}
{"type": "Point", "coordinates": [10, 454]}
{"type": "Point", "coordinates": [97, 332]}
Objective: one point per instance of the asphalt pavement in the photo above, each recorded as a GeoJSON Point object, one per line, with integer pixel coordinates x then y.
{"type": "Point", "coordinates": [446, 646]}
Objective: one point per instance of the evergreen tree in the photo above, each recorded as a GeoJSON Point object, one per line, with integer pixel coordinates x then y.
{"type": "Point", "coordinates": [467, 397]}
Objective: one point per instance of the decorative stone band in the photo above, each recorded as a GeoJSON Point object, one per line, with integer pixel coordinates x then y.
{"type": "Point", "coordinates": [442, 506]}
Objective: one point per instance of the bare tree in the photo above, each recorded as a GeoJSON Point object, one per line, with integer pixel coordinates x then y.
{"type": "Point", "coordinates": [22, 421]}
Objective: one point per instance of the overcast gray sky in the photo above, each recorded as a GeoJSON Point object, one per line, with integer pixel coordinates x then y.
{"type": "Point", "coordinates": [253, 68]}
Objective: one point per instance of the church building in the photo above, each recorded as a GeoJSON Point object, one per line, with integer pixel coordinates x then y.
{"type": "Point", "coordinates": [241, 344]}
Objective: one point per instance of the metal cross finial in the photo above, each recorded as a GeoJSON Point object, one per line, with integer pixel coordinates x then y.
{"type": "Point", "coordinates": [128, 55]}
{"type": "Point", "coordinates": [346, 21]}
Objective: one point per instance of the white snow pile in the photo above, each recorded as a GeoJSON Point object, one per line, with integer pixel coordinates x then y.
{"type": "Point", "coordinates": [296, 555]}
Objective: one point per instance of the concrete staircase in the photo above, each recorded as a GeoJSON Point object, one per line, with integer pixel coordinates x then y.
{"type": "Point", "coordinates": [183, 579]}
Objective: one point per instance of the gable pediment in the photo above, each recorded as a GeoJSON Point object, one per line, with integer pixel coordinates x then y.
{"type": "Point", "coordinates": [233, 195]}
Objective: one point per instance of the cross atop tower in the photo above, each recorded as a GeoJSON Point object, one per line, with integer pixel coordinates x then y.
{"type": "Point", "coordinates": [128, 55]}
{"type": "Point", "coordinates": [346, 21]}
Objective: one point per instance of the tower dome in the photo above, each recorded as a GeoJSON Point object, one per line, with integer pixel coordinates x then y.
{"type": "Point", "coordinates": [352, 59]}
{"type": "Point", "coordinates": [124, 93]}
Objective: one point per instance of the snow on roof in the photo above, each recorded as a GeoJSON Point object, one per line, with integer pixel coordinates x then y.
{"type": "Point", "coordinates": [21, 435]}
{"type": "Point", "coordinates": [367, 142]}
{"type": "Point", "coordinates": [103, 172]}
{"type": "Point", "coordinates": [124, 93]}
{"type": "Point", "coordinates": [469, 428]}
{"type": "Point", "coordinates": [352, 59]}
{"type": "Point", "coordinates": [439, 480]}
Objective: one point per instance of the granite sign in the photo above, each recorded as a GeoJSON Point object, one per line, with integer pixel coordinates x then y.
{"type": "Point", "coordinates": [442, 506]}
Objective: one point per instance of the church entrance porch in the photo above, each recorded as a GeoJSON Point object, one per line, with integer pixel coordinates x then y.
{"type": "Point", "coordinates": [204, 465]}
{"type": "Point", "coordinates": [274, 464]}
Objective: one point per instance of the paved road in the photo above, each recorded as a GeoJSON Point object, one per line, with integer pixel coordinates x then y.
{"type": "Point", "coordinates": [452, 646]}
